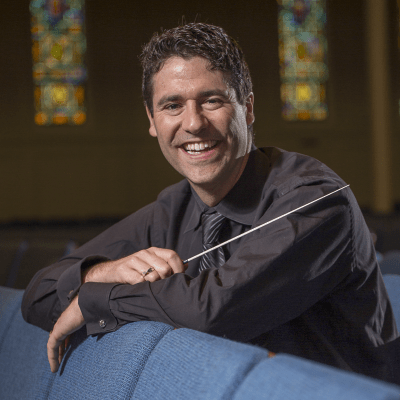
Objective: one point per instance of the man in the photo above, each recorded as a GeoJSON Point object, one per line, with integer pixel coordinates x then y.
{"type": "Point", "coordinates": [307, 284]}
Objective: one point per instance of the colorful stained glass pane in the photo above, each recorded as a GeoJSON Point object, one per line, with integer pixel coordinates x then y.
{"type": "Point", "coordinates": [58, 53]}
{"type": "Point", "coordinates": [303, 59]}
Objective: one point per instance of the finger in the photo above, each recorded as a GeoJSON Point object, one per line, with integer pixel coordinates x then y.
{"type": "Point", "coordinates": [67, 341]}
{"type": "Point", "coordinates": [166, 262]}
{"type": "Point", "coordinates": [63, 348]}
{"type": "Point", "coordinates": [149, 266]}
{"type": "Point", "coordinates": [61, 351]}
{"type": "Point", "coordinates": [131, 270]}
{"type": "Point", "coordinates": [53, 352]}
{"type": "Point", "coordinates": [70, 321]}
{"type": "Point", "coordinates": [163, 269]}
{"type": "Point", "coordinates": [149, 276]}
{"type": "Point", "coordinates": [171, 257]}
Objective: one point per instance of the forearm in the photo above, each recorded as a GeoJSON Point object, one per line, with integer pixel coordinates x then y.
{"type": "Point", "coordinates": [52, 289]}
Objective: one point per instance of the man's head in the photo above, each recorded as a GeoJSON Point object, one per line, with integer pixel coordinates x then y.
{"type": "Point", "coordinates": [198, 98]}
{"type": "Point", "coordinates": [191, 40]}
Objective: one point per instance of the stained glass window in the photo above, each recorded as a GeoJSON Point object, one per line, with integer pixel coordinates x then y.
{"type": "Point", "coordinates": [58, 50]}
{"type": "Point", "coordinates": [303, 59]}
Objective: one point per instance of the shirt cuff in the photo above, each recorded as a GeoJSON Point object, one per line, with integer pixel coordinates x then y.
{"type": "Point", "coordinates": [70, 280]}
{"type": "Point", "coordinates": [94, 304]}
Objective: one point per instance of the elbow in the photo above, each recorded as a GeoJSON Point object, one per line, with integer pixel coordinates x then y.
{"type": "Point", "coordinates": [43, 313]}
{"type": "Point", "coordinates": [27, 309]}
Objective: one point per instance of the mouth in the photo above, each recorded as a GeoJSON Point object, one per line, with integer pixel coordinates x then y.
{"type": "Point", "coordinates": [200, 147]}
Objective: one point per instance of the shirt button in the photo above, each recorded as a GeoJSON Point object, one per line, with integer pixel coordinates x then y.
{"type": "Point", "coordinates": [102, 323]}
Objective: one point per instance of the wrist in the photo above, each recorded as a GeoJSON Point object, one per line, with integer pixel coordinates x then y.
{"type": "Point", "coordinates": [95, 273]}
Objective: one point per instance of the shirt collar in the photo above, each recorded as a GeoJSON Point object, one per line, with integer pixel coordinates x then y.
{"type": "Point", "coordinates": [240, 204]}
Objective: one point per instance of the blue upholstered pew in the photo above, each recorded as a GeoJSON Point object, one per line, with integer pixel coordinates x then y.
{"type": "Point", "coordinates": [149, 360]}
{"type": "Point", "coordinates": [390, 263]}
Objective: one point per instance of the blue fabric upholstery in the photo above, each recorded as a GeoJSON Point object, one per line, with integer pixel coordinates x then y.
{"type": "Point", "coordinates": [148, 360]}
{"type": "Point", "coordinates": [291, 378]}
{"type": "Point", "coordinates": [392, 283]}
{"type": "Point", "coordinates": [10, 302]}
{"type": "Point", "coordinates": [107, 366]}
{"type": "Point", "coordinates": [188, 364]}
{"type": "Point", "coordinates": [24, 369]}
{"type": "Point", "coordinates": [390, 264]}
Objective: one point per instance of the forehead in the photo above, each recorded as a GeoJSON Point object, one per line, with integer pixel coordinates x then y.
{"type": "Point", "coordinates": [187, 75]}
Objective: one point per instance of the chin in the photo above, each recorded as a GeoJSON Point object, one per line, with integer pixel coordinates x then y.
{"type": "Point", "coordinates": [204, 181]}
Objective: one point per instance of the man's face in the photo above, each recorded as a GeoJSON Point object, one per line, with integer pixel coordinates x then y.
{"type": "Point", "coordinates": [200, 126]}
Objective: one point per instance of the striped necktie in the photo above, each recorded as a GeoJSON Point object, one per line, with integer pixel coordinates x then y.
{"type": "Point", "coordinates": [212, 224]}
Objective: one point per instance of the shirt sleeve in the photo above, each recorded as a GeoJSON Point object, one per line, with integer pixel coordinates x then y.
{"type": "Point", "coordinates": [52, 289]}
{"type": "Point", "coordinates": [277, 273]}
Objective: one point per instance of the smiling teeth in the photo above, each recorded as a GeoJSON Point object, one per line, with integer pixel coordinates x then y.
{"type": "Point", "coordinates": [192, 148]}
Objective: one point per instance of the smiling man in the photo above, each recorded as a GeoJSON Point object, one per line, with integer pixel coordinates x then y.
{"type": "Point", "coordinates": [308, 284]}
{"type": "Point", "coordinates": [200, 125]}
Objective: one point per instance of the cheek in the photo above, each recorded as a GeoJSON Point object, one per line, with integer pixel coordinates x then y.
{"type": "Point", "coordinates": [165, 132]}
{"type": "Point", "coordinates": [222, 122]}
{"type": "Point", "coordinates": [169, 155]}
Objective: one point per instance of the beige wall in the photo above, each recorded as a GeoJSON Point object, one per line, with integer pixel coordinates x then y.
{"type": "Point", "coordinates": [111, 166]}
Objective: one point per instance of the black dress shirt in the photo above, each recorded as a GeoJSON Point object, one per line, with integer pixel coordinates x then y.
{"type": "Point", "coordinates": [307, 284]}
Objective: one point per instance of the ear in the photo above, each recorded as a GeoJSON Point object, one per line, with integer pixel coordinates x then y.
{"type": "Point", "coordinates": [152, 129]}
{"type": "Point", "coordinates": [250, 109]}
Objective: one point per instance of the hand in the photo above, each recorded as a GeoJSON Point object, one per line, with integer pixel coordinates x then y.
{"type": "Point", "coordinates": [130, 270]}
{"type": "Point", "coordinates": [70, 321]}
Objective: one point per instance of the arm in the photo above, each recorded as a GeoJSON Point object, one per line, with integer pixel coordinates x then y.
{"type": "Point", "coordinates": [136, 268]}
{"type": "Point", "coordinates": [161, 262]}
{"type": "Point", "coordinates": [52, 289]}
{"type": "Point", "coordinates": [276, 274]}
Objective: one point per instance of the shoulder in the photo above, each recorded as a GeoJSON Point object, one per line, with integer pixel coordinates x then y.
{"type": "Point", "coordinates": [295, 181]}
{"type": "Point", "coordinates": [291, 170]}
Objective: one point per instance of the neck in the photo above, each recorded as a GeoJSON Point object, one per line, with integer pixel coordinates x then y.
{"type": "Point", "coordinates": [211, 194]}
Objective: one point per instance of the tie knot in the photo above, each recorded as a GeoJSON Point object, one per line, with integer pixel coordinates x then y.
{"type": "Point", "coordinates": [212, 225]}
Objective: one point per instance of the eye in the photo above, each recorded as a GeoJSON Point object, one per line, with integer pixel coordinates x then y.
{"type": "Point", "coordinates": [172, 107]}
{"type": "Point", "coordinates": [213, 103]}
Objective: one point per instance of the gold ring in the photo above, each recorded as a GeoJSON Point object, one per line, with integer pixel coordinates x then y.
{"type": "Point", "coordinates": [149, 271]}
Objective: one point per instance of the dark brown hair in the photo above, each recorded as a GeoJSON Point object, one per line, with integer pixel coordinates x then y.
{"type": "Point", "coordinates": [191, 40]}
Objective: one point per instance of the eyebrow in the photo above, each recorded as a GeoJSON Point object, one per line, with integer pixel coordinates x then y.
{"type": "Point", "coordinates": [177, 97]}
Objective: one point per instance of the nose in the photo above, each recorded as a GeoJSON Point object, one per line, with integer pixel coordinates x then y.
{"type": "Point", "coordinates": [193, 121]}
